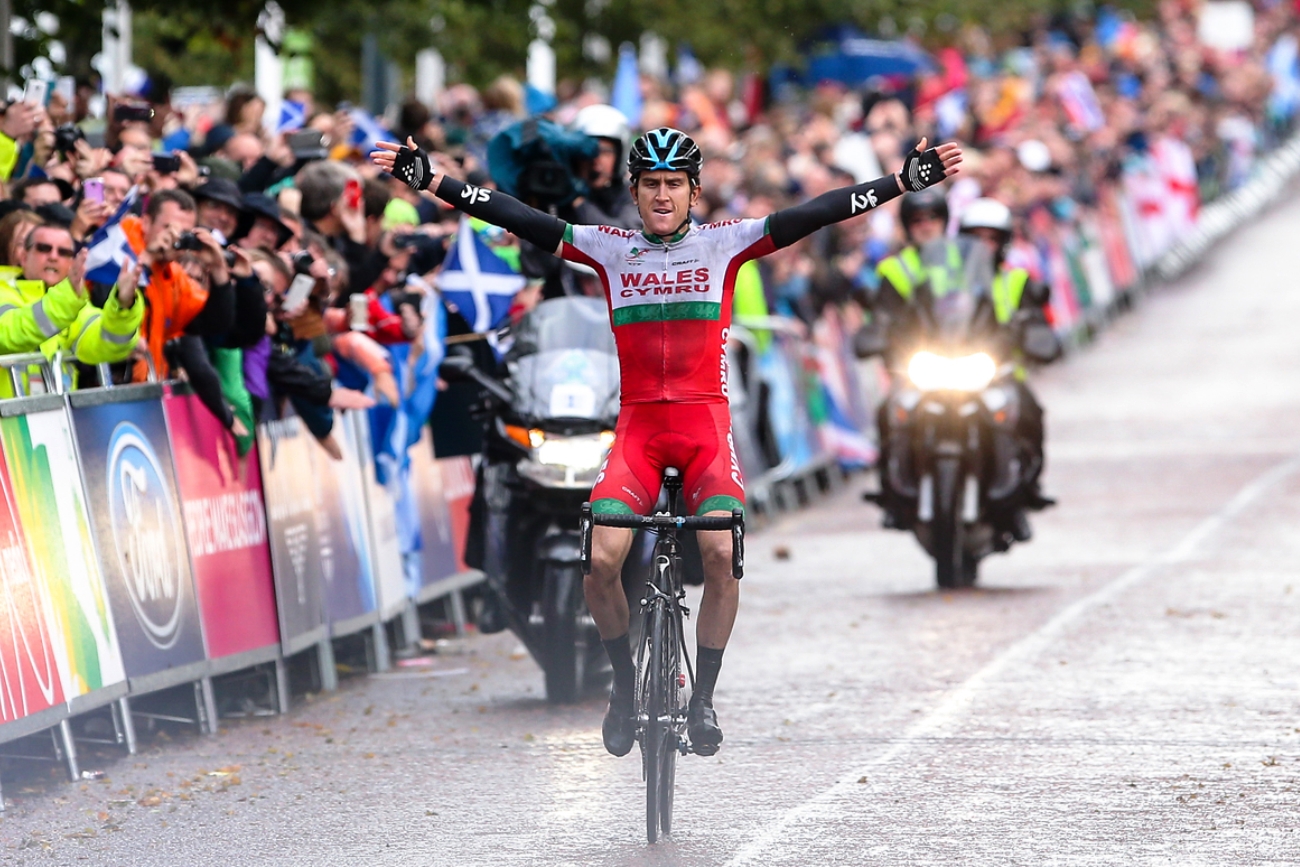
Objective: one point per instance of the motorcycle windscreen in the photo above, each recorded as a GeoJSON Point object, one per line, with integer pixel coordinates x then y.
{"type": "Point", "coordinates": [563, 363]}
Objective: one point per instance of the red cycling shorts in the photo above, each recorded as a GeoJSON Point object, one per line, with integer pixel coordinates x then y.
{"type": "Point", "coordinates": [693, 437]}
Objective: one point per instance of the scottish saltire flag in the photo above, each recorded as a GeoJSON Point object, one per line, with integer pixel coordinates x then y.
{"type": "Point", "coordinates": [366, 131]}
{"type": "Point", "coordinates": [293, 116]}
{"type": "Point", "coordinates": [626, 93]}
{"type": "Point", "coordinates": [394, 430]}
{"type": "Point", "coordinates": [108, 247]}
{"type": "Point", "coordinates": [478, 281]}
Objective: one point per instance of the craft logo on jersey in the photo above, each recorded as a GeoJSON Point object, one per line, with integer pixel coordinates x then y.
{"type": "Point", "coordinates": [146, 533]}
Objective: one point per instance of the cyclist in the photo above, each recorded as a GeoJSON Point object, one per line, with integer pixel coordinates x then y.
{"type": "Point", "coordinates": [669, 287]}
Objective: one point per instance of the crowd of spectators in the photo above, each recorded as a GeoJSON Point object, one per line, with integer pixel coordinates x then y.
{"type": "Point", "coordinates": [266, 262]}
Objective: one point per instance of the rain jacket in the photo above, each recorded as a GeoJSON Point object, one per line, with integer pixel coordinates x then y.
{"type": "Point", "coordinates": [174, 301]}
{"type": "Point", "coordinates": [58, 319]}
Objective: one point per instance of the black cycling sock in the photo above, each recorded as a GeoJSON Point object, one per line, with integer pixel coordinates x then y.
{"type": "Point", "coordinates": [620, 656]}
{"type": "Point", "coordinates": [708, 662]}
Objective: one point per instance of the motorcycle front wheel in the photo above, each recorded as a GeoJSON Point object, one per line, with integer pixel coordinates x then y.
{"type": "Point", "coordinates": [565, 634]}
{"type": "Point", "coordinates": [950, 561]}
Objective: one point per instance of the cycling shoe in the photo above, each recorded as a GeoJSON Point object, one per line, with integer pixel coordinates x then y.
{"type": "Point", "coordinates": [619, 728]}
{"type": "Point", "coordinates": [702, 726]}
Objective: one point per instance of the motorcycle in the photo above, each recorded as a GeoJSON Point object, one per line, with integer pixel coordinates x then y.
{"type": "Point", "coordinates": [955, 466]}
{"type": "Point", "coordinates": [550, 425]}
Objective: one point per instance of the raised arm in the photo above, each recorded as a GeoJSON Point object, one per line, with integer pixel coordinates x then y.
{"type": "Point", "coordinates": [412, 167]}
{"type": "Point", "coordinates": [921, 168]}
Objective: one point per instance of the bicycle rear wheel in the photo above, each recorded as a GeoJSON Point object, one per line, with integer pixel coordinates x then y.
{"type": "Point", "coordinates": [654, 738]}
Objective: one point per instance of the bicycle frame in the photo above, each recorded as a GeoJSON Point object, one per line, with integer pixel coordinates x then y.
{"type": "Point", "coordinates": [661, 715]}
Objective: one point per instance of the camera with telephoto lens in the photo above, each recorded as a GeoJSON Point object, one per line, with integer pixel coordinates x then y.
{"type": "Point", "coordinates": [187, 241]}
{"type": "Point", "coordinates": [66, 137]}
{"type": "Point", "coordinates": [539, 162]}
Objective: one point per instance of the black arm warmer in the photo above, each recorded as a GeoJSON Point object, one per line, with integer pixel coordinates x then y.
{"type": "Point", "coordinates": [789, 225]}
{"type": "Point", "coordinates": [499, 209]}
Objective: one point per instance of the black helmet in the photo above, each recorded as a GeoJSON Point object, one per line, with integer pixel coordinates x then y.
{"type": "Point", "coordinates": [665, 149]}
{"type": "Point", "coordinates": [930, 201]}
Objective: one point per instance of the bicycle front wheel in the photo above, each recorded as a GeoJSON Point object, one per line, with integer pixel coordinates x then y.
{"type": "Point", "coordinates": [672, 707]}
{"type": "Point", "coordinates": [654, 739]}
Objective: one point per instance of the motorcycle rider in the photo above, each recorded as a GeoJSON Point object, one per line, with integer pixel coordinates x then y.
{"type": "Point", "coordinates": [669, 287]}
{"type": "Point", "coordinates": [924, 217]}
{"type": "Point", "coordinates": [1018, 302]}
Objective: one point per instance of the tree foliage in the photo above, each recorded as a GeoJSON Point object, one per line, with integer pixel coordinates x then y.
{"type": "Point", "coordinates": [201, 42]}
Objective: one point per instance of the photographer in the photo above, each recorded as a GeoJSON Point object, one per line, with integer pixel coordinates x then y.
{"type": "Point", "coordinates": [608, 201]}
{"type": "Point", "coordinates": [176, 305]}
{"type": "Point", "coordinates": [333, 205]}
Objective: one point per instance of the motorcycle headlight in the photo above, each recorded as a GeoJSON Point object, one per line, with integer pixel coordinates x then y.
{"type": "Point", "coordinates": [566, 461]}
{"type": "Point", "coordinates": [931, 372]}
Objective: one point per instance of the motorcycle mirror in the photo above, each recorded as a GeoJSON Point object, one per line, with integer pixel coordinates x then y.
{"type": "Point", "coordinates": [456, 368]}
{"type": "Point", "coordinates": [870, 340]}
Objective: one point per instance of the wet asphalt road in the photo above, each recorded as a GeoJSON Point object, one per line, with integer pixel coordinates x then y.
{"type": "Point", "coordinates": [1124, 690]}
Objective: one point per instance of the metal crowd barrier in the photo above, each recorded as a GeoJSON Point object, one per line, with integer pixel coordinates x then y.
{"type": "Point", "coordinates": [140, 552]}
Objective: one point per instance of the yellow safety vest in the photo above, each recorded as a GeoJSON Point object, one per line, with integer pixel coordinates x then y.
{"type": "Point", "coordinates": [905, 271]}
{"type": "Point", "coordinates": [1008, 288]}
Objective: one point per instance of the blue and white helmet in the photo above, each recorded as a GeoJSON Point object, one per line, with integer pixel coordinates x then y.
{"type": "Point", "coordinates": [665, 149]}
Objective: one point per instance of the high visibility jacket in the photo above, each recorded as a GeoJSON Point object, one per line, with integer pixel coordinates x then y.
{"type": "Point", "coordinates": [33, 317]}
{"type": "Point", "coordinates": [905, 272]}
{"type": "Point", "coordinates": [8, 156]}
{"type": "Point", "coordinates": [1008, 288]}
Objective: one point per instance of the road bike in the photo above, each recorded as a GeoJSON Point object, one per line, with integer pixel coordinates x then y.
{"type": "Point", "coordinates": [660, 683]}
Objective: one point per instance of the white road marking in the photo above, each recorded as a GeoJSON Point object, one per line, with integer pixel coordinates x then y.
{"type": "Point", "coordinates": [958, 701]}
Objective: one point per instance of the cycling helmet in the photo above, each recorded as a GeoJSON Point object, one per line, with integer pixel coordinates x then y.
{"type": "Point", "coordinates": [605, 121]}
{"type": "Point", "coordinates": [986, 214]}
{"type": "Point", "coordinates": [665, 149]}
{"type": "Point", "coordinates": [931, 201]}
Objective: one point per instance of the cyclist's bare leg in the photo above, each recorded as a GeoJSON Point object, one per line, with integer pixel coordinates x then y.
{"type": "Point", "coordinates": [608, 607]}
{"type": "Point", "coordinates": [717, 615]}
{"type": "Point", "coordinates": [721, 590]}
{"type": "Point", "coordinates": [604, 586]}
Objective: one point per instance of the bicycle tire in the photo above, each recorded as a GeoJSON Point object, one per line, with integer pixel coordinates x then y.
{"type": "Point", "coordinates": [655, 705]}
{"type": "Point", "coordinates": [672, 704]}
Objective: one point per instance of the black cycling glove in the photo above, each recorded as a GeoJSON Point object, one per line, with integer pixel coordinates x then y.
{"type": "Point", "coordinates": [921, 170]}
{"type": "Point", "coordinates": [412, 168]}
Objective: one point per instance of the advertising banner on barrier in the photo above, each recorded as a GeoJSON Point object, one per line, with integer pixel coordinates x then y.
{"type": "Point", "coordinates": [389, 575]}
{"type": "Point", "coordinates": [285, 449]}
{"type": "Point", "coordinates": [443, 489]}
{"type": "Point", "coordinates": [342, 525]}
{"type": "Point", "coordinates": [45, 488]}
{"type": "Point", "coordinates": [225, 522]}
{"type": "Point", "coordinates": [126, 461]}
{"type": "Point", "coordinates": [29, 672]}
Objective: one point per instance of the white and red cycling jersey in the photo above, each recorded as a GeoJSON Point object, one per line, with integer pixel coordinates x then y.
{"type": "Point", "coordinates": [670, 303]}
